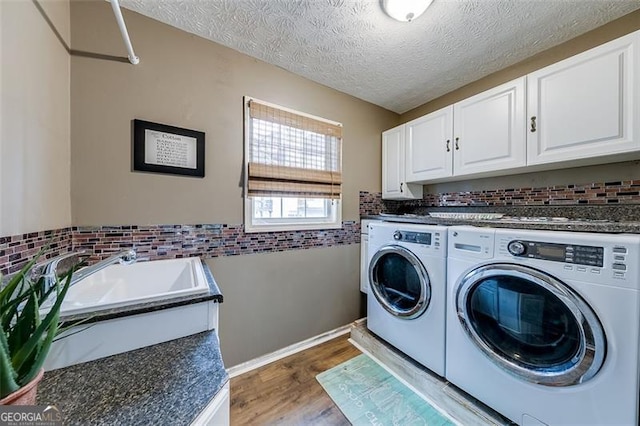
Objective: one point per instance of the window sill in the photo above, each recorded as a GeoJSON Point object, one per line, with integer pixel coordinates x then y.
{"type": "Point", "coordinates": [253, 229]}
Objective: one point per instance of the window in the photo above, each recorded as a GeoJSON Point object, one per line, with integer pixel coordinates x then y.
{"type": "Point", "coordinates": [293, 169]}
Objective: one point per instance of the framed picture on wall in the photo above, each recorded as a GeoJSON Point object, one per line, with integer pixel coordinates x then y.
{"type": "Point", "coordinates": [160, 148]}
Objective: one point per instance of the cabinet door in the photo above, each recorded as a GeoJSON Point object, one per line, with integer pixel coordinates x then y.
{"type": "Point", "coordinates": [429, 146]}
{"type": "Point", "coordinates": [392, 162]}
{"type": "Point", "coordinates": [587, 105]}
{"type": "Point", "coordinates": [489, 130]}
{"type": "Point", "coordinates": [394, 186]}
{"type": "Point", "coordinates": [217, 412]}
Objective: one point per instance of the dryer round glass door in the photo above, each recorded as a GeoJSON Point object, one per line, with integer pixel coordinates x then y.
{"type": "Point", "coordinates": [399, 281]}
{"type": "Point", "coordinates": [531, 324]}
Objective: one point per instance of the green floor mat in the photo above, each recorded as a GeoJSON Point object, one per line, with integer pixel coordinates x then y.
{"type": "Point", "coordinates": [368, 395]}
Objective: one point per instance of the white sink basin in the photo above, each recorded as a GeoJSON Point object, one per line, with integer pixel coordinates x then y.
{"type": "Point", "coordinates": [123, 285]}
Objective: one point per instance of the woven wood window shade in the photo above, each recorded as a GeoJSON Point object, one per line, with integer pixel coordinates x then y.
{"type": "Point", "coordinates": [291, 155]}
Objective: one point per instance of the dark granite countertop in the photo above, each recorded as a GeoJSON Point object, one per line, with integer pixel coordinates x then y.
{"type": "Point", "coordinates": [605, 218]}
{"type": "Point", "coordinates": [165, 384]}
{"type": "Point", "coordinates": [214, 294]}
{"type": "Point", "coordinates": [632, 227]}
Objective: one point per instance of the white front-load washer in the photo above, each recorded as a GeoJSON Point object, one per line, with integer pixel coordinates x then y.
{"type": "Point", "coordinates": [407, 278]}
{"type": "Point", "coordinates": [543, 326]}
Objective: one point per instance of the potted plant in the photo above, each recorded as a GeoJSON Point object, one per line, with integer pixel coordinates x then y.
{"type": "Point", "coordinates": [26, 334]}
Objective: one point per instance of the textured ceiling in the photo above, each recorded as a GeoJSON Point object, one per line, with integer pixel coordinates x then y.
{"type": "Point", "coordinates": [352, 46]}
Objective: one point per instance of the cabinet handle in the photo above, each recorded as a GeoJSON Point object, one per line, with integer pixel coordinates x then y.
{"type": "Point", "coordinates": [401, 186]}
{"type": "Point", "coordinates": [448, 147]}
{"type": "Point", "coordinates": [533, 124]}
{"type": "Point", "coordinates": [457, 147]}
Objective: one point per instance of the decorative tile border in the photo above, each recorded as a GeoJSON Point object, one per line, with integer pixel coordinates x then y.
{"type": "Point", "coordinates": [209, 240]}
{"type": "Point", "coordinates": [214, 240]}
{"type": "Point", "coordinates": [167, 241]}
{"type": "Point", "coordinates": [17, 250]}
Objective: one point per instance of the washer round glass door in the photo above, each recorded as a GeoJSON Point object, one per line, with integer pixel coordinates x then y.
{"type": "Point", "coordinates": [399, 281]}
{"type": "Point", "coordinates": [531, 324]}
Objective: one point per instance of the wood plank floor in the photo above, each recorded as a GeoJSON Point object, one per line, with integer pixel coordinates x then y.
{"type": "Point", "coordinates": [287, 392]}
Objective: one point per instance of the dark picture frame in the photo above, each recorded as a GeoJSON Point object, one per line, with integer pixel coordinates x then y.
{"type": "Point", "coordinates": [160, 148]}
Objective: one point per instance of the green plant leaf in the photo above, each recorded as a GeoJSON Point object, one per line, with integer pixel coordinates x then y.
{"type": "Point", "coordinates": [43, 351]}
{"type": "Point", "coordinates": [10, 309]}
{"type": "Point", "coordinates": [8, 375]}
{"type": "Point", "coordinates": [24, 323]}
{"type": "Point", "coordinates": [73, 325]}
{"type": "Point", "coordinates": [7, 291]}
{"type": "Point", "coordinates": [51, 320]}
{"type": "Point", "coordinates": [13, 294]}
{"type": "Point", "coordinates": [26, 335]}
{"type": "Point", "coordinates": [3, 341]}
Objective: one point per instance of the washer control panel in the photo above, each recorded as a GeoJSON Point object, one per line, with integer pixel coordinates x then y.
{"type": "Point", "coordinates": [413, 237]}
{"type": "Point", "coordinates": [567, 253]}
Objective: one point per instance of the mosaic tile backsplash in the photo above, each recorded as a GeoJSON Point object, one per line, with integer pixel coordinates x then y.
{"type": "Point", "coordinates": [167, 241]}
{"type": "Point", "coordinates": [214, 240]}
{"type": "Point", "coordinates": [17, 250]}
{"type": "Point", "coordinates": [620, 192]}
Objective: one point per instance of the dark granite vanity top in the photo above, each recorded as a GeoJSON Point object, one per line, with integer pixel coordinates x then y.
{"type": "Point", "coordinates": [165, 384]}
{"type": "Point", "coordinates": [214, 294]}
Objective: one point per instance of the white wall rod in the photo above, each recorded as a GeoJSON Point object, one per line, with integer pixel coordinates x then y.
{"type": "Point", "coordinates": [115, 5]}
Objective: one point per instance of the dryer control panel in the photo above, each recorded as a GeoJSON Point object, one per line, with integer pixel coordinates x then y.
{"type": "Point", "coordinates": [413, 237]}
{"type": "Point", "coordinates": [609, 259]}
{"type": "Point", "coordinates": [568, 253]}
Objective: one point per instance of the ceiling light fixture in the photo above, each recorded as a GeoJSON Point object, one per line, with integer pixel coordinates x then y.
{"type": "Point", "coordinates": [405, 10]}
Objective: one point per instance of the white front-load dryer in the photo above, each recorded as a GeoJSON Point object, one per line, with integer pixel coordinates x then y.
{"type": "Point", "coordinates": [407, 278]}
{"type": "Point", "coordinates": [543, 326]}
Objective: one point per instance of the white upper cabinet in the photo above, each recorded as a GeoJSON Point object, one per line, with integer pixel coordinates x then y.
{"type": "Point", "coordinates": [479, 135]}
{"type": "Point", "coordinates": [489, 130]}
{"type": "Point", "coordinates": [586, 106]}
{"type": "Point", "coordinates": [582, 110]}
{"type": "Point", "coordinates": [394, 185]}
{"type": "Point", "coordinates": [429, 146]}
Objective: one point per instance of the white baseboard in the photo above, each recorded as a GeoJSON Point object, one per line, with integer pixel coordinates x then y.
{"type": "Point", "coordinates": [252, 364]}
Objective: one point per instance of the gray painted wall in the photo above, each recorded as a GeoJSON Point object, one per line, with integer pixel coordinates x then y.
{"type": "Point", "coordinates": [274, 300]}
{"type": "Point", "coordinates": [271, 300]}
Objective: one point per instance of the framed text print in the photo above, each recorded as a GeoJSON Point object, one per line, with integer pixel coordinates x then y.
{"type": "Point", "coordinates": [161, 148]}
